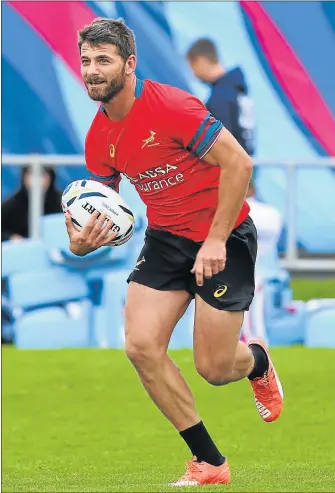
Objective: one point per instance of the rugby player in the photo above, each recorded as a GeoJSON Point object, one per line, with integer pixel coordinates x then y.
{"type": "Point", "coordinates": [200, 242]}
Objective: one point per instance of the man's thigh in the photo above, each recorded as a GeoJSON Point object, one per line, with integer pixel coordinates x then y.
{"type": "Point", "coordinates": [216, 334]}
{"type": "Point", "coordinates": [223, 299]}
{"type": "Point", "coordinates": [151, 316]}
{"type": "Point", "coordinates": [157, 295]}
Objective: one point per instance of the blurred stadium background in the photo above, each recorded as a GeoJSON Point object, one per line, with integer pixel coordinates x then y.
{"type": "Point", "coordinates": [52, 300]}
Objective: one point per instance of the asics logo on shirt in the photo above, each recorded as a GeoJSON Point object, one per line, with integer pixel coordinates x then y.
{"type": "Point", "coordinates": [112, 150]}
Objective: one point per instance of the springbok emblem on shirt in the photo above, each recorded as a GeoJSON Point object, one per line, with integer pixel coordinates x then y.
{"type": "Point", "coordinates": [149, 140]}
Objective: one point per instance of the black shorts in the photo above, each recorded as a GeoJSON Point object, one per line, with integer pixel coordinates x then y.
{"type": "Point", "coordinates": [166, 260]}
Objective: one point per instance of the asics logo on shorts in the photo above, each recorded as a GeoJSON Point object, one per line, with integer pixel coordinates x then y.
{"type": "Point", "coordinates": [221, 290]}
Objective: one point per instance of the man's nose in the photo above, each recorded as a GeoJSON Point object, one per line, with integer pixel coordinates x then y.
{"type": "Point", "coordinates": [92, 69]}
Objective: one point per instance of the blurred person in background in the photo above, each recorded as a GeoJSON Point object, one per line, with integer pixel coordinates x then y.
{"type": "Point", "coordinates": [269, 224]}
{"type": "Point", "coordinates": [7, 320]}
{"type": "Point", "coordinates": [229, 101]}
{"type": "Point", "coordinates": [15, 209]}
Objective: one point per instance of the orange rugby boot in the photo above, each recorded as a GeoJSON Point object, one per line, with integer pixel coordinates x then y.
{"type": "Point", "coordinates": [268, 391]}
{"type": "Point", "coordinates": [199, 473]}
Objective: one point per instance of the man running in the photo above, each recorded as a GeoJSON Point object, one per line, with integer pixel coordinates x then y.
{"type": "Point", "coordinates": [200, 243]}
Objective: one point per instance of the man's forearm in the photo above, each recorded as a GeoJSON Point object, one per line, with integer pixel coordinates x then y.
{"type": "Point", "coordinates": [234, 181]}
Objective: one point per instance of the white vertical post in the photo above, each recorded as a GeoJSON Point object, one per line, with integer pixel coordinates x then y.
{"type": "Point", "coordinates": [36, 195]}
{"type": "Point", "coordinates": [291, 240]}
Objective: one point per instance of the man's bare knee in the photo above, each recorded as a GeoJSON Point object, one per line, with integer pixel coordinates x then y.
{"type": "Point", "coordinates": [147, 343]}
{"type": "Point", "coordinates": [216, 336]}
{"type": "Point", "coordinates": [141, 352]}
{"type": "Point", "coordinates": [215, 374]}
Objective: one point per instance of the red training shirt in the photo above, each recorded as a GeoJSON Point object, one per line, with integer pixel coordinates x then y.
{"type": "Point", "coordinates": [159, 147]}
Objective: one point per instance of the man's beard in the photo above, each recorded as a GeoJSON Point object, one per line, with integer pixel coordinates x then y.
{"type": "Point", "coordinates": [106, 93]}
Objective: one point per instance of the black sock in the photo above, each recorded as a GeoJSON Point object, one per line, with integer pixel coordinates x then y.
{"type": "Point", "coordinates": [261, 361]}
{"type": "Point", "coordinates": [201, 445]}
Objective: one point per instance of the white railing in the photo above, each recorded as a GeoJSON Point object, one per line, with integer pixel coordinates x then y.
{"type": "Point", "coordinates": [291, 260]}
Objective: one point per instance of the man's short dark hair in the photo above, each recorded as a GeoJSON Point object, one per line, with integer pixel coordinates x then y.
{"type": "Point", "coordinates": [203, 47]}
{"type": "Point", "coordinates": [109, 31]}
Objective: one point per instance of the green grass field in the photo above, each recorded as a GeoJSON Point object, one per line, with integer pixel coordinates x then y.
{"type": "Point", "coordinates": [306, 289]}
{"type": "Point", "coordinates": [78, 420]}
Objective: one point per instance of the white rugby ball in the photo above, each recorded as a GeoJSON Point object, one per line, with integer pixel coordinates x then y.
{"type": "Point", "coordinates": [83, 197]}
